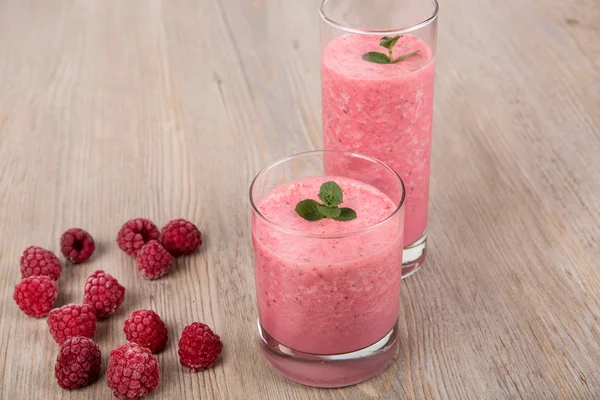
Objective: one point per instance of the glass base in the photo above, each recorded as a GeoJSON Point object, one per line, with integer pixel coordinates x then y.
{"type": "Point", "coordinates": [413, 256]}
{"type": "Point", "coordinates": [332, 370]}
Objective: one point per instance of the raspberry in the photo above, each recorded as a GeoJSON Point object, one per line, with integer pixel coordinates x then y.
{"type": "Point", "coordinates": [78, 363]}
{"type": "Point", "coordinates": [72, 320]}
{"type": "Point", "coordinates": [132, 371]}
{"type": "Point", "coordinates": [199, 347]}
{"type": "Point", "coordinates": [180, 237]}
{"type": "Point", "coordinates": [38, 261]}
{"type": "Point", "coordinates": [153, 260]}
{"type": "Point", "coordinates": [36, 295]}
{"type": "Point", "coordinates": [77, 245]}
{"type": "Point", "coordinates": [145, 328]}
{"type": "Point", "coordinates": [103, 292]}
{"type": "Point", "coordinates": [135, 233]}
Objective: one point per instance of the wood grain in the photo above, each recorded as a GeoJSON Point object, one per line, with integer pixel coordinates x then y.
{"type": "Point", "coordinates": [117, 109]}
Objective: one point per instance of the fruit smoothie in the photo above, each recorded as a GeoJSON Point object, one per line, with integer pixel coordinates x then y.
{"type": "Point", "coordinates": [321, 288]}
{"type": "Point", "coordinates": [384, 111]}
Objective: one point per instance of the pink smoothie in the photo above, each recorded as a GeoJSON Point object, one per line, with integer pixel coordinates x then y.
{"type": "Point", "coordinates": [330, 294]}
{"type": "Point", "coordinates": [384, 111]}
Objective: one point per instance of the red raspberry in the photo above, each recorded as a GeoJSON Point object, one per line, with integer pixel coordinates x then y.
{"type": "Point", "coordinates": [199, 347]}
{"type": "Point", "coordinates": [103, 292]}
{"type": "Point", "coordinates": [78, 363]}
{"type": "Point", "coordinates": [72, 320]}
{"type": "Point", "coordinates": [36, 295]}
{"type": "Point", "coordinates": [77, 245]}
{"type": "Point", "coordinates": [153, 260]}
{"type": "Point", "coordinates": [38, 261]}
{"type": "Point", "coordinates": [145, 328]}
{"type": "Point", "coordinates": [180, 237]}
{"type": "Point", "coordinates": [135, 233]}
{"type": "Point", "coordinates": [132, 371]}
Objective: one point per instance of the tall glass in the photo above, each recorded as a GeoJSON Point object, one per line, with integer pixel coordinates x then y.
{"type": "Point", "coordinates": [377, 77]}
{"type": "Point", "coordinates": [328, 291]}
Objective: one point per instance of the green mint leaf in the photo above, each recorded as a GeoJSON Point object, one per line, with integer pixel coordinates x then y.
{"type": "Point", "coordinates": [404, 57]}
{"type": "Point", "coordinates": [346, 214]}
{"type": "Point", "coordinates": [377, 58]}
{"type": "Point", "coordinates": [331, 194]}
{"type": "Point", "coordinates": [329, 212]}
{"type": "Point", "coordinates": [389, 42]}
{"type": "Point", "coordinates": [308, 209]}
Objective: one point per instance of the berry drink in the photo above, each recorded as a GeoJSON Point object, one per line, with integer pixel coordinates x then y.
{"type": "Point", "coordinates": [384, 111]}
{"type": "Point", "coordinates": [328, 263]}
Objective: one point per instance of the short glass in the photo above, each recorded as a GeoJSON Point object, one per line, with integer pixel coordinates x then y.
{"type": "Point", "coordinates": [328, 292]}
{"type": "Point", "coordinates": [382, 104]}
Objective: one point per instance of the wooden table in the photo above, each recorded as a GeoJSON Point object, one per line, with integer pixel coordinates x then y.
{"type": "Point", "coordinates": [111, 110]}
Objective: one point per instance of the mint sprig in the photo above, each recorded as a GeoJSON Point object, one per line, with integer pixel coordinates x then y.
{"type": "Point", "coordinates": [332, 196]}
{"type": "Point", "coordinates": [388, 43]}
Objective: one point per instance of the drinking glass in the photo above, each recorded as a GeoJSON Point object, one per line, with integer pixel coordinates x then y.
{"type": "Point", "coordinates": [328, 291]}
{"type": "Point", "coordinates": [377, 81]}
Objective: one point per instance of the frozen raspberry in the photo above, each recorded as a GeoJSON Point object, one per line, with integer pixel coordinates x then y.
{"type": "Point", "coordinates": [199, 347]}
{"type": "Point", "coordinates": [153, 260]}
{"type": "Point", "coordinates": [103, 292]}
{"type": "Point", "coordinates": [180, 237]}
{"type": "Point", "coordinates": [145, 328]}
{"type": "Point", "coordinates": [72, 320]}
{"type": "Point", "coordinates": [77, 245]}
{"type": "Point", "coordinates": [78, 363]}
{"type": "Point", "coordinates": [135, 233]}
{"type": "Point", "coordinates": [132, 371]}
{"type": "Point", "coordinates": [36, 295]}
{"type": "Point", "coordinates": [38, 261]}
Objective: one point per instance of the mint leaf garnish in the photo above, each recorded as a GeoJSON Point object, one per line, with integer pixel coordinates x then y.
{"type": "Point", "coordinates": [308, 210]}
{"type": "Point", "coordinates": [331, 194]}
{"type": "Point", "coordinates": [380, 58]}
{"type": "Point", "coordinates": [404, 57]}
{"type": "Point", "coordinates": [377, 58]}
{"type": "Point", "coordinates": [346, 214]}
{"type": "Point", "coordinates": [389, 42]}
{"type": "Point", "coordinates": [329, 212]}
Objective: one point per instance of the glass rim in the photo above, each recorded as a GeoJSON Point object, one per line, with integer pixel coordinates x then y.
{"type": "Point", "coordinates": [326, 236]}
{"type": "Point", "coordinates": [385, 32]}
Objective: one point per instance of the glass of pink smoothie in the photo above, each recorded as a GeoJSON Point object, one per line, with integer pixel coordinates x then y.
{"type": "Point", "coordinates": [377, 75]}
{"type": "Point", "coordinates": [328, 291]}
